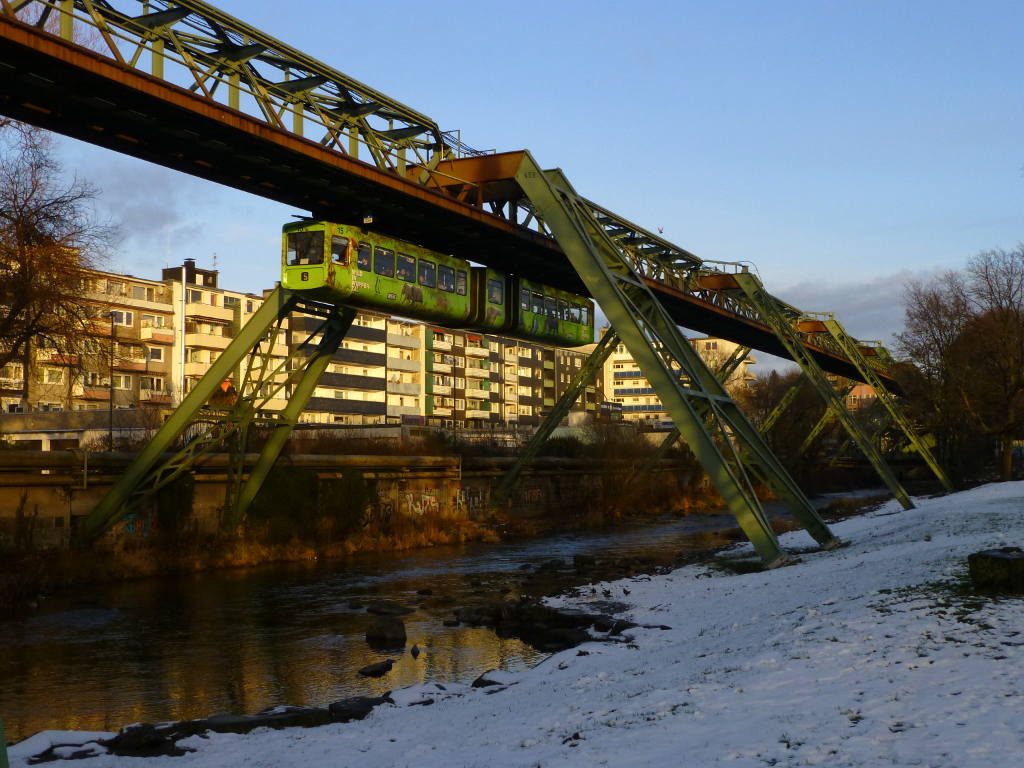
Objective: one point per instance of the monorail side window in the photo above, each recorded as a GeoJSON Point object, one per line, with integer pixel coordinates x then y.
{"type": "Point", "coordinates": [524, 300]}
{"type": "Point", "coordinates": [445, 278]}
{"type": "Point", "coordinates": [339, 249]}
{"type": "Point", "coordinates": [460, 282]}
{"type": "Point", "coordinates": [384, 262]}
{"type": "Point", "coordinates": [427, 273]}
{"type": "Point", "coordinates": [563, 310]}
{"type": "Point", "coordinates": [536, 303]}
{"type": "Point", "coordinates": [363, 259]}
{"type": "Point", "coordinates": [585, 316]}
{"type": "Point", "coordinates": [550, 306]}
{"type": "Point", "coordinates": [574, 313]}
{"type": "Point", "coordinates": [406, 268]}
{"type": "Point", "coordinates": [305, 248]}
{"type": "Point", "coordinates": [495, 291]}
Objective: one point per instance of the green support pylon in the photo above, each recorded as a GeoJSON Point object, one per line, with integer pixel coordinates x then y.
{"type": "Point", "coordinates": [782, 406]}
{"type": "Point", "coordinates": [676, 372]}
{"type": "Point", "coordinates": [784, 330]}
{"type": "Point", "coordinates": [587, 372]}
{"type": "Point", "coordinates": [154, 466]}
{"type": "Point", "coordinates": [334, 330]}
{"type": "Point", "coordinates": [826, 418]}
{"type": "Point", "coordinates": [723, 372]}
{"type": "Point", "coordinates": [852, 350]}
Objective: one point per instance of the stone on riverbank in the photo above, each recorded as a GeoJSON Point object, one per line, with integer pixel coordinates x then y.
{"type": "Point", "coordinates": [379, 669]}
{"type": "Point", "coordinates": [1000, 569]}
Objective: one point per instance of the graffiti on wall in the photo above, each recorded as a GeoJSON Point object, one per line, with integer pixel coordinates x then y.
{"type": "Point", "coordinates": [421, 503]}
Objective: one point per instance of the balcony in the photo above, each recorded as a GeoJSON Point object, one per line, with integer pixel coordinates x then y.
{"type": "Point", "coordinates": [12, 383]}
{"type": "Point", "coordinates": [441, 411]}
{"type": "Point", "coordinates": [130, 364]}
{"type": "Point", "coordinates": [403, 388]}
{"type": "Point", "coordinates": [549, 365]}
{"type": "Point", "coordinates": [199, 309]}
{"type": "Point", "coordinates": [403, 410]}
{"type": "Point", "coordinates": [366, 333]}
{"type": "Point", "coordinates": [549, 401]}
{"type": "Point", "coordinates": [483, 394]}
{"type": "Point", "coordinates": [163, 335]}
{"type": "Point", "coordinates": [440, 389]}
{"type": "Point", "coordinates": [206, 340]}
{"type": "Point", "coordinates": [359, 357]}
{"type": "Point", "coordinates": [94, 393]}
{"type": "Point", "coordinates": [475, 351]}
{"type": "Point", "coordinates": [402, 340]}
{"type": "Point", "coordinates": [398, 364]}
{"type": "Point", "coordinates": [478, 414]}
{"type": "Point", "coordinates": [344, 405]}
{"type": "Point", "coordinates": [440, 367]}
{"type": "Point", "coordinates": [196, 369]}
{"type": "Point", "coordinates": [154, 398]}
{"type": "Point", "coordinates": [353, 381]}
{"type": "Point", "coordinates": [477, 373]}
{"type": "Point", "coordinates": [437, 344]}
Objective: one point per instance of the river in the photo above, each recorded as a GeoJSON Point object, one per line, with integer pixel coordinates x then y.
{"type": "Point", "coordinates": [242, 640]}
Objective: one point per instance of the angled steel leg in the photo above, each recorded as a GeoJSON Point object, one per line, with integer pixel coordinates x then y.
{"type": "Point", "coordinates": [554, 416]}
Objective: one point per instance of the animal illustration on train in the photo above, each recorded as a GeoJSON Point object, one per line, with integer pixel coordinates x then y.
{"type": "Point", "coordinates": [345, 264]}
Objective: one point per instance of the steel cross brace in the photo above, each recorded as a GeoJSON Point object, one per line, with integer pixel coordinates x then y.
{"type": "Point", "coordinates": [558, 411]}
{"type": "Point", "coordinates": [152, 469]}
{"type": "Point", "coordinates": [682, 381]}
{"type": "Point", "coordinates": [724, 371]}
{"type": "Point", "coordinates": [784, 329]}
{"type": "Point", "coordinates": [782, 406]}
{"type": "Point", "coordinates": [826, 418]}
{"type": "Point", "coordinates": [852, 350]}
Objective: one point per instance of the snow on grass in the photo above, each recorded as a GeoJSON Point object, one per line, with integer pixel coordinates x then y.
{"type": "Point", "coordinates": [871, 655]}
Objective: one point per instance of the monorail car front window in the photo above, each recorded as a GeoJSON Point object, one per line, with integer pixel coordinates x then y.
{"type": "Point", "coordinates": [305, 248]}
{"type": "Point", "coordinates": [339, 249]}
{"type": "Point", "coordinates": [445, 278]}
{"type": "Point", "coordinates": [406, 268]}
{"type": "Point", "coordinates": [495, 291]}
{"type": "Point", "coordinates": [428, 273]}
{"type": "Point", "coordinates": [384, 262]}
{"type": "Point", "coordinates": [363, 259]}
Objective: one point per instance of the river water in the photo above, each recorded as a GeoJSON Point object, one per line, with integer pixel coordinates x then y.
{"type": "Point", "coordinates": [242, 640]}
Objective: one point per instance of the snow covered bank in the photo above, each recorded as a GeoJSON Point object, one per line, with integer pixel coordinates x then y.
{"type": "Point", "coordinates": [865, 656]}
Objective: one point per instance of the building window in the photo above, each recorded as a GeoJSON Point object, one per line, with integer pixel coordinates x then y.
{"type": "Point", "coordinates": [195, 297]}
{"type": "Point", "coordinates": [121, 317]}
{"type": "Point", "coordinates": [153, 321]}
{"type": "Point", "coordinates": [122, 381]}
{"type": "Point", "coordinates": [156, 354]}
{"type": "Point", "coordinates": [53, 375]}
{"type": "Point", "coordinates": [151, 383]}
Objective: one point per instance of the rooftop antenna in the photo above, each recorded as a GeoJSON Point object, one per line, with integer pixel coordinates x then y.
{"type": "Point", "coordinates": [214, 261]}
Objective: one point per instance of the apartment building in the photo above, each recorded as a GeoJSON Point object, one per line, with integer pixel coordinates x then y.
{"type": "Point", "coordinates": [627, 386]}
{"type": "Point", "coordinates": [152, 340]}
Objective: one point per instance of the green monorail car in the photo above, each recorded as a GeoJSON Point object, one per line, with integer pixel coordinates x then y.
{"type": "Point", "coordinates": [348, 265]}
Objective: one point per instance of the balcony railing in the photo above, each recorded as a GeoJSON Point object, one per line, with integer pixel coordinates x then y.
{"type": "Point", "coordinates": [438, 344]}
{"type": "Point", "coordinates": [475, 351]}
{"type": "Point", "coordinates": [403, 340]}
{"type": "Point", "coordinates": [398, 364]}
{"type": "Point", "coordinates": [11, 383]}
{"type": "Point", "coordinates": [440, 389]}
{"type": "Point", "coordinates": [441, 411]}
{"type": "Point", "coordinates": [162, 335]}
{"type": "Point", "coordinates": [403, 388]}
{"type": "Point", "coordinates": [484, 394]}
{"type": "Point", "coordinates": [440, 367]}
{"type": "Point", "coordinates": [477, 373]}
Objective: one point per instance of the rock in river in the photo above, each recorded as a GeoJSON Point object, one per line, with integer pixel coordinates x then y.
{"type": "Point", "coordinates": [386, 632]}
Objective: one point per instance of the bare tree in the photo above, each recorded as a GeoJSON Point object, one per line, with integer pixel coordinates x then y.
{"type": "Point", "coordinates": [965, 335]}
{"type": "Point", "coordinates": [49, 240]}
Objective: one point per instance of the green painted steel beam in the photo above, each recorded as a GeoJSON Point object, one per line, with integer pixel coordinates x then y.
{"type": "Point", "coordinates": [853, 352]}
{"type": "Point", "coordinates": [667, 360]}
{"type": "Point", "coordinates": [587, 373]}
{"type": "Point", "coordinates": [782, 326]}
{"type": "Point", "coordinates": [334, 330]}
{"type": "Point", "coordinates": [782, 406]}
{"type": "Point", "coordinates": [828, 417]}
{"type": "Point", "coordinates": [113, 506]}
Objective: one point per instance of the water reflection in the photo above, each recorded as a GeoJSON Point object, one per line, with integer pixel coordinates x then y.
{"type": "Point", "coordinates": [240, 641]}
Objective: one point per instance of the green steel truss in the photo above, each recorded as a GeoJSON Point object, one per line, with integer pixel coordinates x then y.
{"type": "Point", "coordinates": [685, 386]}
{"type": "Point", "coordinates": [828, 417]}
{"type": "Point", "coordinates": [853, 351]}
{"type": "Point", "coordinates": [782, 406]}
{"type": "Point", "coordinates": [258, 378]}
{"type": "Point", "coordinates": [586, 374]}
{"type": "Point", "coordinates": [784, 327]}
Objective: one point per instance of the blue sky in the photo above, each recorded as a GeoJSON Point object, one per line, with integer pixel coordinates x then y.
{"type": "Point", "coordinates": [844, 148]}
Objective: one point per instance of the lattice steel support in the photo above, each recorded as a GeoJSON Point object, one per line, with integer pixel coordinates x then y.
{"type": "Point", "coordinates": [787, 334]}
{"type": "Point", "coordinates": [558, 411]}
{"type": "Point", "coordinates": [853, 351]}
{"type": "Point", "coordinates": [675, 370]}
{"type": "Point", "coordinates": [826, 418]}
{"type": "Point", "coordinates": [154, 467]}
{"type": "Point", "coordinates": [782, 406]}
